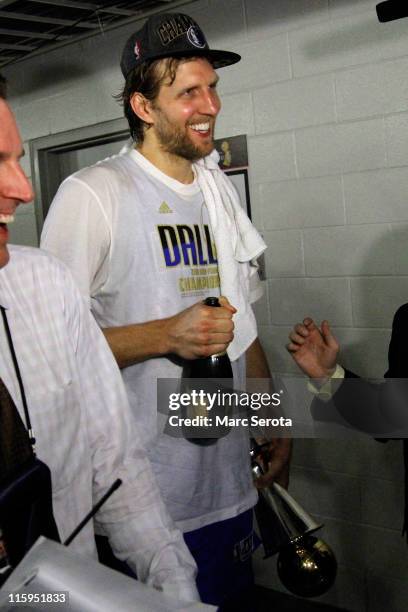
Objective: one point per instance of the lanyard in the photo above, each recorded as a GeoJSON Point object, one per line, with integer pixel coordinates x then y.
{"type": "Point", "coordinates": [18, 375]}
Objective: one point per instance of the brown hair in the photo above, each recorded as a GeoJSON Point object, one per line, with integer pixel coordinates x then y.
{"type": "Point", "coordinates": [3, 87]}
{"type": "Point", "coordinates": [147, 80]}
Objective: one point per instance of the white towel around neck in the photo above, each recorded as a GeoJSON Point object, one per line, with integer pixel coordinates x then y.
{"type": "Point", "coordinates": [237, 241]}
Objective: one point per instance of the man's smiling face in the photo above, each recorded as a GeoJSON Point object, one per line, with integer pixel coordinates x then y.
{"type": "Point", "coordinates": [14, 186]}
{"type": "Point", "coordinates": [185, 111]}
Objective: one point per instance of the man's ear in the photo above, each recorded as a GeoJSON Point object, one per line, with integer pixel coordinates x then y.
{"type": "Point", "coordinates": [141, 107]}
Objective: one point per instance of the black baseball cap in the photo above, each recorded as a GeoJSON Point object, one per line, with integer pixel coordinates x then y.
{"type": "Point", "coordinates": [171, 35]}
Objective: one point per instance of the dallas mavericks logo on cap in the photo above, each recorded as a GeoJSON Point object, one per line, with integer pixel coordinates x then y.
{"type": "Point", "coordinates": [196, 37]}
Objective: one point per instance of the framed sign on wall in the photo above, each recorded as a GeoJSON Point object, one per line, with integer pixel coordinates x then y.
{"type": "Point", "coordinates": [233, 152]}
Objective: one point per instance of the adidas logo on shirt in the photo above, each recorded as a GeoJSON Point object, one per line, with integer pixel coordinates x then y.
{"type": "Point", "coordinates": [165, 208]}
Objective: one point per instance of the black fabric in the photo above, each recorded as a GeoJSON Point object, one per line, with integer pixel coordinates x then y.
{"type": "Point", "coordinates": [170, 35]}
{"type": "Point", "coordinates": [26, 510]}
{"type": "Point", "coordinates": [15, 447]}
{"type": "Point", "coordinates": [366, 406]}
{"type": "Point", "coordinates": [398, 368]}
{"type": "Point", "coordinates": [25, 485]}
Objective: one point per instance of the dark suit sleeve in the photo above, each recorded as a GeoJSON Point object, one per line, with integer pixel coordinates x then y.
{"type": "Point", "coordinates": [398, 368]}
{"type": "Point", "coordinates": [356, 405]}
{"type": "Point", "coordinates": [397, 352]}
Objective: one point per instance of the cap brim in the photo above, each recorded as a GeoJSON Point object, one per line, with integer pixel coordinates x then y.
{"type": "Point", "coordinates": [220, 59]}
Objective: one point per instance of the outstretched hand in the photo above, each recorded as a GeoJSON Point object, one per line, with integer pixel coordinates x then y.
{"type": "Point", "coordinates": [314, 350]}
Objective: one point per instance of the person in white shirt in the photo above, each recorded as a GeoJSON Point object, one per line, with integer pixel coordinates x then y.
{"type": "Point", "coordinates": [148, 235]}
{"type": "Point", "coordinates": [77, 403]}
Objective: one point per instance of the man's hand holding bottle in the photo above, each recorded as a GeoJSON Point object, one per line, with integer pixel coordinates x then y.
{"type": "Point", "coordinates": [200, 330]}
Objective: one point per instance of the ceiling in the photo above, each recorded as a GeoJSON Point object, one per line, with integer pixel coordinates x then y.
{"type": "Point", "coordinates": [28, 26]}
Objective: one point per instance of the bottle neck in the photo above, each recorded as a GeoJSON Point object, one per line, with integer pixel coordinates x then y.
{"type": "Point", "coordinates": [212, 301]}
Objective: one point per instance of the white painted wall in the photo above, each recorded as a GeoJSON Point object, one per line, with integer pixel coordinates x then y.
{"type": "Point", "coordinates": [322, 92]}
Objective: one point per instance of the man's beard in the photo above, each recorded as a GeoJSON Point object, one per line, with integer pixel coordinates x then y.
{"type": "Point", "coordinates": [175, 141]}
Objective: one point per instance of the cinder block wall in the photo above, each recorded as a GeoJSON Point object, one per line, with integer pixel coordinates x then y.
{"type": "Point", "coordinates": [322, 92]}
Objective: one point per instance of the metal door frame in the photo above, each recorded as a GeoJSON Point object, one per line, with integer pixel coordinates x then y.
{"type": "Point", "coordinates": [44, 153]}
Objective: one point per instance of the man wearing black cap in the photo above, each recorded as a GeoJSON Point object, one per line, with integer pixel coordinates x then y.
{"type": "Point", "coordinates": [149, 234]}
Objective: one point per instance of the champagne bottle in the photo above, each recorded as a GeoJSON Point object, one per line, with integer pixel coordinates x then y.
{"type": "Point", "coordinates": [216, 366]}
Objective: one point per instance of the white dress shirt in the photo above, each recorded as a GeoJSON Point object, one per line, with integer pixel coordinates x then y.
{"type": "Point", "coordinates": [81, 421]}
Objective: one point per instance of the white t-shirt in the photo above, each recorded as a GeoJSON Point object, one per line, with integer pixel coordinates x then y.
{"type": "Point", "coordinates": [141, 248]}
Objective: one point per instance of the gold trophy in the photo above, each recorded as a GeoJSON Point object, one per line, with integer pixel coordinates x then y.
{"type": "Point", "coordinates": [306, 565]}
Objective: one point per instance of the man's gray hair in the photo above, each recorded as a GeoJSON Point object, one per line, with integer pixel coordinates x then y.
{"type": "Point", "coordinates": [3, 87]}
